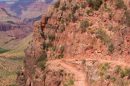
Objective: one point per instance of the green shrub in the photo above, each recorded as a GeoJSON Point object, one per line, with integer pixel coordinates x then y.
{"type": "Point", "coordinates": [95, 3]}
{"type": "Point", "coordinates": [62, 21]}
{"type": "Point", "coordinates": [62, 48]}
{"type": "Point", "coordinates": [84, 25]}
{"type": "Point", "coordinates": [61, 56]}
{"type": "Point", "coordinates": [41, 62]}
{"type": "Point", "coordinates": [82, 5]}
{"type": "Point", "coordinates": [113, 79]}
{"type": "Point", "coordinates": [51, 37]}
{"type": "Point", "coordinates": [122, 74]}
{"type": "Point", "coordinates": [69, 83]}
{"type": "Point", "coordinates": [89, 12]}
{"type": "Point", "coordinates": [103, 68]}
{"type": "Point", "coordinates": [111, 48]}
{"type": "Point", "coordinates": [101, 34]}
{"type": "Point", "coordinates": [106, 7]}
{"type": "Point", "coordinates": [74, 8]}
{"type": "Point", "coordinates": [53, 48]}
{"type": "Point", "coordinates": [62, 28]}
{"type": "Point", "coordinates": [120, 4]}
{"type": "Point", "coordinates": [118, 69]}
{"type": "Point", "coordinates": [71, 17]}
{"type": "Point", "coordinates": [125, 72]}
{"type": "Point", "coordinates": [47, 45]}
{"type": "Point", "coordinates": [3, 50]}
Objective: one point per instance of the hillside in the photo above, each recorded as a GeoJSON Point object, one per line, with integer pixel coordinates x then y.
{"type": "Point", "coordinates": [16, 22]}
{"type": "Point", "coordinates": [6, 16]}
{"type": "Point", "coordinates": [80, 43]}
{"type": "Point", "coordinates": [16, 47]}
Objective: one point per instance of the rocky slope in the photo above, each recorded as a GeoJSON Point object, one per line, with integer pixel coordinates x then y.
{"type": "Point", "coordinates": [80, 43]}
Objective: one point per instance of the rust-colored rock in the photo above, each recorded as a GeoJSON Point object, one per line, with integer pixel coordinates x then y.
{"type": "Point", "coordinates": [75, 46]}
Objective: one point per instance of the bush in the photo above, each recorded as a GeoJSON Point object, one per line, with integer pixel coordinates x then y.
{"type": "Point", "coordinates": [113, 79]}
{"type": "Point", "coordinates": [51, 37]}
{"type": "Point", "coordinates": [82, 5]}
{"type": "Point", "coordinates": [118, 69]}
{"type": "Point", "coordinates": [71, 17]}
{"type": "Point", "coordinates": [62, 28]}
{"type": "Point", "coordinates": [120, 4]}
{"type": "Point", "coordinates": [53, 48]}
{"type": "Point", "coordinates": [122, 74]}
{"type": "Point", "coordinates": [95, 4]}
{"type": "Point", "coordinates": [47, 45]}
{"type": "Point", "coordinates": [101, 34]}
{"type": "Point", "coordinates": [61, 56]}
{"type": "Point", "coordinates": [41, 62]}
{"type": "Point", "coordinates": [3, 50]}
{"type": "Point", "coordinates": [89, 12]}
{"type": "Point", "coordinates": [111, 48]}
{"type": "Point", "coordinates": [103, 68]}
{"type": "Point", "coordinates": [69, 83]}
{"type": "Point", "coordinates": [84, 25]}
{"type": "Point", "coordinates": [125, 72]}
{"type": "Point", "coordinates": [74, 8]}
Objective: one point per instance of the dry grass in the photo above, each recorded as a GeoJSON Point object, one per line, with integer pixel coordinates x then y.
{"type": "Point", "coordinates": [8, 70]}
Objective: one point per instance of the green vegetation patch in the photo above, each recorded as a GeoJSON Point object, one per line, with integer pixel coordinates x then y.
{"type": "Point", "coordinates": [120, 4]}
{"type": "Point", "coordinates": [2, 50]}
{"type": "Point", "coordinates": [95, 4]}
{"type": "Point", "coordinates": [104, 68]}
{"type": "Point", "coordinates": [102, 35]}
{"type": "Point", "coordinates": [69, 83]}
{"type": "Point", "coordinates": [41, 62]}
{"type": "Point", "coordinates": [83, 25]}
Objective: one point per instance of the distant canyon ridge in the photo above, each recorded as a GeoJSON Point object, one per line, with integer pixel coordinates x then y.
{"type": "Point", "coordinates": [16, 22]}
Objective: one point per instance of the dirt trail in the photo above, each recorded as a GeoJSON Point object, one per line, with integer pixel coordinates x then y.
{"type": "Point", "coordinates": [80, 75]}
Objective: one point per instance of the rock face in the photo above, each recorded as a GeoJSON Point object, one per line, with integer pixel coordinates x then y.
{"type": "Point", "coordinates": [75, 42]}
{"type": "Point", "coordinates": [17, 31]}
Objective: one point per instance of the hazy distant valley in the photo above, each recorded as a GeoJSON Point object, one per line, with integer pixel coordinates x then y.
{"type": "Point", "coordinates": [16, 26]}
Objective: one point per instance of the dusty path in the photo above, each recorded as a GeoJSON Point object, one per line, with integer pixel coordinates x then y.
{"type": "Point", "coordinates": [80, 75]}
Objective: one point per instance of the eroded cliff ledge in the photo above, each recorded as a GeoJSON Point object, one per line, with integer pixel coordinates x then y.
{"type": "Point", "coordinates": [80, 43]}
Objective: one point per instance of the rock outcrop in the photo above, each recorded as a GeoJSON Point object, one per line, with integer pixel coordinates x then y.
{"type": "Point", "coordinates": [80, 43]}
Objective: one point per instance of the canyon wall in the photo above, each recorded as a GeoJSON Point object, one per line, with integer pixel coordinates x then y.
{"type": "Point", "coordinates": [80, 43]}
